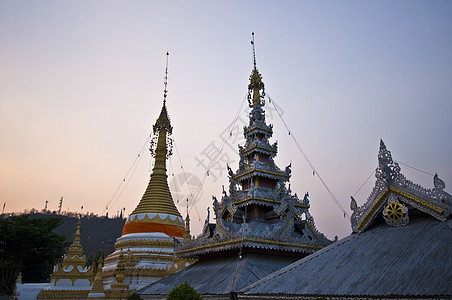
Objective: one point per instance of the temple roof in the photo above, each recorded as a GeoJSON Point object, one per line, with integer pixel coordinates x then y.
{"type": "Point", "coordinates": [219, 276]}
{"type": "Point", "coordinates": [400, 247]}
{"type": "Point", "coordinates": [393, 195]}
{"type": "Point", "coordinates": [412, 260]}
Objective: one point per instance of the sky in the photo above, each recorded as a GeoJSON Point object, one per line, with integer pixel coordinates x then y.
{"type": "Point", "coordinates": [81, 84]}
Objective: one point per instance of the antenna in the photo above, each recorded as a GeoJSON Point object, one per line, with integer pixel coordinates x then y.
{"type": "Point", "coordinates": [254, 49]}
{"type": "Point", "coordinates": [187, 206]}
{"type": "Point", "coordinates": [165, 91]}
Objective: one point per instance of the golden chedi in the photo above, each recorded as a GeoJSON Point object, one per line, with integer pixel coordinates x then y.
{"type": "Point", "coordinates": [151, 230]}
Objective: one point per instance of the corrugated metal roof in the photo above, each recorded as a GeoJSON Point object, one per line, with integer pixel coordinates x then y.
{"type": "Point", "coordinates": [413, 260]}
{"type": "Point", "coordinates": [220, 276]}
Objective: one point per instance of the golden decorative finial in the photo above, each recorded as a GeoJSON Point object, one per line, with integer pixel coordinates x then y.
{"type": "Point", "coordinates": [254, 49]}
{"type": "Point", "coordinates": [256, 88]}
{"type": "Point", "coordinates": [165, 91]}
{"type": "Point", "coordinates": [77, 233]}
{"type": "Point", "coordinates": [187, 235]}
{"type": "Point", "coordinates": [162, 126]}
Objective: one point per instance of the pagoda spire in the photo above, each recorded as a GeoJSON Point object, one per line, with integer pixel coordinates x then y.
{"type": "Point", "coordinates": [76, 246]}
{"type": "Point", "coordinates": [97, 289]}
{"type": "Point", "coordinates": [156, 211]}
{"type": "Point", "coordinates": [72, 268]}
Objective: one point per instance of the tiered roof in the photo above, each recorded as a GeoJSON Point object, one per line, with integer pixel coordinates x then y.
{"type": "Point", "coordinates": [259, 212]}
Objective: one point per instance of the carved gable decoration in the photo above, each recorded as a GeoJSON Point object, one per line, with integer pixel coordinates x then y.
{"type": "Point", "coordinates": [393, 197]}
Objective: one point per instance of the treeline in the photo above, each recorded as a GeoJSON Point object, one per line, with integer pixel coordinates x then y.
{"type": "Point", "coordinates": [97, 232]}
{"type": "Point", "coordinates": [33, 242]}
{"type": "Point", "coordinates": [62, 213]}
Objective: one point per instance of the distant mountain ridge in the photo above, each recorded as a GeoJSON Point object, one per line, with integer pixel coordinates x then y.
{"type": "Point", "coordinates": [96, 232]}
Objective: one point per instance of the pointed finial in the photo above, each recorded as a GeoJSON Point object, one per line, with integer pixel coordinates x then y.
{"type": "Point", "coordinates": [382, 144]}
{"type": "Point", "coordinates": [256, 88]}
{"type": "Point", "coordinates": [77, 233]}
{"type": "Point", "coordinates": [387, 169]}
{"type": "Point", "coordinates": [254, 49]}
{"type": "Point", "coordinates": [163, 120]}
{"type": "Point", "coordinates": [187, 234]}
{"type": "Point", "coordinates": [165, 91]}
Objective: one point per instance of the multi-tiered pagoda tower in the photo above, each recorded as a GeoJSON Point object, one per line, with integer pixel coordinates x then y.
{"type": "Point", "coordinates": [260, 226]}
{"type": "Point", "coordinates": [259, 213]}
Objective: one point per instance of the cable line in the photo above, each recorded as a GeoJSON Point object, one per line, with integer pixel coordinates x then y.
{"type": "Point", "coordinates": [182, 167]}
{"type": "Point", "coordinates": [126, 179]}
{"type": "Point", "coordinates": [171, 171]}
{"type": "Point", "coordinates": [217, 155]}
{"type": "Point", "coordinates": [373, 172]}
{"type": "Point", "coordinates": [314, 171]}
{"type": "Point", "coordinates": [397, 161]}
{"type": "Point", "coordinates": [185, 177]}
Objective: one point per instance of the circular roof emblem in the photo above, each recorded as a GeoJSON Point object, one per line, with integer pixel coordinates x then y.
{"type": "Point", "coordinates": [394, 211]}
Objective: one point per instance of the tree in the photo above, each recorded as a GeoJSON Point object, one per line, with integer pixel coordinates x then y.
{"type": "Point", "coordinates": [29, 246]}
{"type": "Point", "coordinates": [184, 292]}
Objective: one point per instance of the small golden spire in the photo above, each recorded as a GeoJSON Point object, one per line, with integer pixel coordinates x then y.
{"type": "Point", "coordinates": [76, 246]}
{"type": "Point", "coordinates": [77, 233]}
{"type": "Point", "coordinates": [187, 235]}
{"type": "Point", "coordinates": [98, 284]}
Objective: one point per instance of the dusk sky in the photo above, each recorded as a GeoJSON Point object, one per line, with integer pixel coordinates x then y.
{"type": "Point", "coordinates": [81, 84]}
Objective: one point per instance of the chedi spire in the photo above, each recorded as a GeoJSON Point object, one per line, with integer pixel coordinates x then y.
{"type": "Point", "coordinates": [145, 251]}
{"type": "Point", "coordinates": [156, 211]}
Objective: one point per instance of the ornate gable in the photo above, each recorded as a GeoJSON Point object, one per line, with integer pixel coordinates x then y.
{"type": "Point", "coordinates": [395, 197]}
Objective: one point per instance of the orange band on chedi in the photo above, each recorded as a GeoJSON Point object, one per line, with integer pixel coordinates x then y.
{"type": "Point", "coordinates": [139, 227]}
